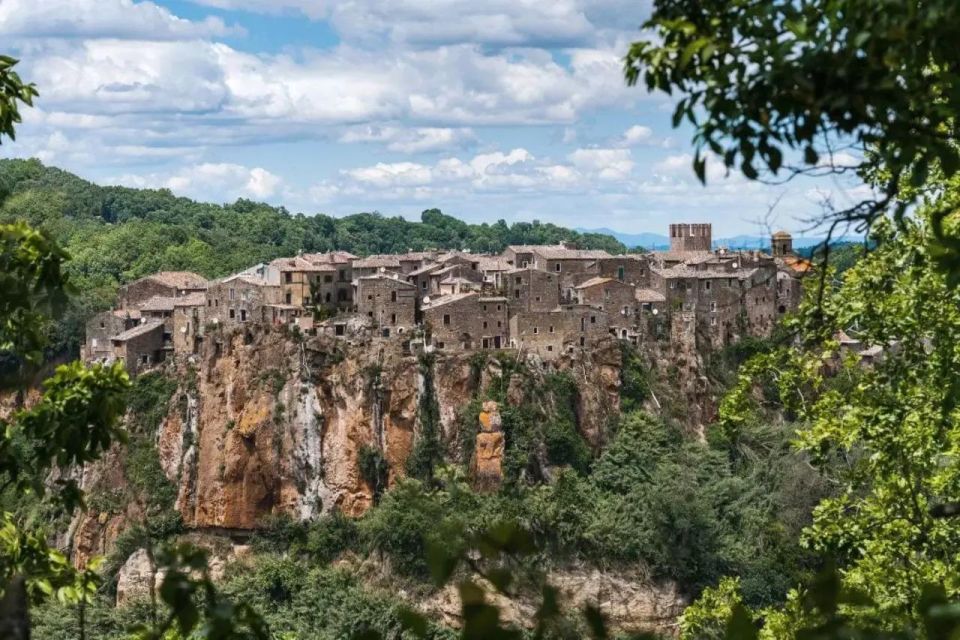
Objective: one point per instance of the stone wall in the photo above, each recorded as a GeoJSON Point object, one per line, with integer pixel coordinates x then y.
{"type": "Point", "coordinates": [550, 334]}
{"type": "Point", "coordinates": [532, 290]}
{"type": "Point", "coordinates": [389, 303]}
{"type": "Point", "coordinates": [467, 321]}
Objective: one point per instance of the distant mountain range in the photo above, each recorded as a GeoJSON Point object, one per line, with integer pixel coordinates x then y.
{"type": "Point", "coordinates": [656, 241]}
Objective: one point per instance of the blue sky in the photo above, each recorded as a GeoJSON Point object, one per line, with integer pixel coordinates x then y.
{"type": "Point", "coordinates": [512, 109]}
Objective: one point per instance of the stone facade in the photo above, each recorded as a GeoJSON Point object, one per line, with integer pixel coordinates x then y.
{"type": "Point", "coordinates": [691, 237]}
{"type": "Point", "coordinates": [467, 321]}
{"type": "Point", "coordinates": [549, 334]}
{"type": "Point", "coordinates": [389, 302]}
{"type": "Point", "coordinates": [545, 299]}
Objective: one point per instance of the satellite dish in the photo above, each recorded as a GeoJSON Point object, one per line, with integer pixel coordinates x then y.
{"type": "Point", "coordinates": [655, 312]}
{"type": "Point", "coordinates": [426, 299]}
{"type": "Point", "coordinates": [735, 265]}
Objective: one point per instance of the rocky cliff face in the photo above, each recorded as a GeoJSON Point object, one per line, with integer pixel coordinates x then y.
{"type": "Point", "coordinates": [275, 423]}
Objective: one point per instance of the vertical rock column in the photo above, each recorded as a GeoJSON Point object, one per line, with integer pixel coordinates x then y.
{"type": "Point", "coordinates": [487, 465]}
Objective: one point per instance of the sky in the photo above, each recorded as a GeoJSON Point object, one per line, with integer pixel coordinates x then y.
{"type": "Point", "coordinates": [493, 109]}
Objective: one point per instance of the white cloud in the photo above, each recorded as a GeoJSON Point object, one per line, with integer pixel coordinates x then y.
{"type": "Point", "coordinates": [497, 23]}
{"type": "Point", "coordinates": [635, 135]}
{"type": "Point", "coordinates": [607, 164]}
{"type": "Point", "coordinates": [209, 181]}
{"type": "Point", "coordinates": [103, 19]}
{"type": "Point", "coordinates": [411, 140]}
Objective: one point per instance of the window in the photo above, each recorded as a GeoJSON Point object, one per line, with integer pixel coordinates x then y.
{"type": "Point", "coordinates": [551, 329]}
{"type": "Point", "coordinates": [93, 341]}
{"type": "Point", "coordinates": [557, 267]}
{"type": "Point", "coordinates": [498, 307]}
{"type": "Point", "coordinates": [516, 293]}
{"type": "Point", "coordinates": [593, 319]}
{"type": "Point", "coordinates": [706, 285]}
{"type": "Point", "coordinates": [439, 345]}
{"type": "Point", "coordinates": [713, 321]}
{"type": "Point", "coordinates": [713, 307]}
{"type": "Point", "coordinates": [673, 285]}
{"type": "Point", "coordinates": [343, 275]}
{"type": "Point", "coordinates": [342, 295]}
{"type": "Point", "coordinates": [102, 325]}
{"type": "Point", "coordinates": [393, 296]}
{"type": "Point", "coordinates": [233, 294]}
{"type": "Point", "coordinates": [328, 278]}
{"type": "Point", "coordinates": [326, 298]}
{"type": "Point", "coordinates": [645, 306]}
{"type": "Point", "coordinates": [306, 300]}
{"type": "Point", "coordinates": [340, 329]}
{"type": "Point", "coordinates": [538, 298]}
{"type": "Point", "coordinates": [582, 341]}
{"type": "Point", "coordinates": [369, 296]}
{"type": "Point", "coordinates": [484, 324]}
{"type": "Point", "coordinates": [519, 280]}
{"type": "Point", "coordinates": [583, 325]}
{"type": "Point", "coordinates": [486, 343]}
{"type": "Point", "coordinates": [499, 324]}
{"type": "Point", "coordinates": [423, 285]}
{"type": "Point", "coordinates": [446, 319]}
{"type": "Point", "coordinates": [288, 277]}
{"type": "Point", "coordinates": [288, 298]}
{"type": "Point", "coordinates": [393, 318]}
{"type": "Point", "coordinates": [370, 313]}
{"type": "Point", "coordinates": [232, 314]}
{"type": "Point", "coordinates": [243, 315]}
{"type": "Point", "coordinates": [484, 308]}
{"type": "Point", "coordinates": [620, 273]}
{"type": "Point", "coordinates": [549, 347]}
{"type": "Point", "coordinates": [536, 330]}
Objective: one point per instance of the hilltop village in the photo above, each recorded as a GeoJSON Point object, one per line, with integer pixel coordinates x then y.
{"type": "Point", "coordinates": [542, 300]}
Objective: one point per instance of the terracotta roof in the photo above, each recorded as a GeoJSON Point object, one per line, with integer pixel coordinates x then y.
{"type": "Point", "coordinates": [178, 279]}
{"type": "Point", "coordinates": [196, 299]}
{"type": "Point", "coordinates": [439, 301]}
{"type": "Point", "coordinates": [249, 279]}
{"type": "Point", "coordinates": [592, 282]}
{"type": "Point", "coordinates": [563, 253]}
{"type": "Point", "coordinates": [493, 263]}
{"type": "Point", "coordinates": [300, 264]}
{"type": "Point", "coordinates": [686, 257]}
{"type": "Point", "coordinates": [384, 276]}
{"type": "Point", "coordinates": [799, 265]}
{"type": "Point", "coordinates": [138, 330]}
{"type": "Point", "coordinates": [158, 303]}
{"type": "Point", "coordinates": [417, 255]}
{"type": "Point", "coordinates": [649, 295]}
{"type": "Point", "coordinates": [376, 262]}
{"type": "Point", "coordinates": [424, 269]}
{"type": "Point", "coordinates": [331, 257]}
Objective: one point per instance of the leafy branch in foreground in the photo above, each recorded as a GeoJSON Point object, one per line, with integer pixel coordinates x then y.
{"type": "Point", "coordinates": [816, 87]}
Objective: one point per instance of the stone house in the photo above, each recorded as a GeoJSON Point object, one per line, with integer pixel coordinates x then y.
{"type": "Point", "coordinates": [492, 269]}
{"type": "Point", "coordinates": [372, 265]}
{"type": "Point", "coordinates": [457, 284]}
{"type": "Point", "coordinates": [336, 291]}
{"type": "Point", "coordinates": [467, 321]}
{"type": "Point", "coordinates": [420, 278]}
{"type": "Point", "coordinates": [239, 299]}
{"type": "Point", "coordinates": [633, 269]}
{"type": "Point", "coordinates": [140, 347]}
{"type": "Point", "coordinates": [617, 298]}
{"type": "Point", "coordinates": [389, 302]}
{"type": "Point", "coordinates": [568, 264]}
{"type": "Point", "coordinates": [531, 289]}
{"type": "Point", "coordinates": [519, 256]}
{"type": "Point", "coordinates": [188, 319]}
{"type": "Point", "coordinates": [97, 346]}
{"type": "Point", "coordinates": [166, 284]}
{"type": "Point", "coordinates": [562, 330]}
{"type": "Point", "coordinates": [413, 260]}
{"type": "Point", "coordinates": [299, 278]}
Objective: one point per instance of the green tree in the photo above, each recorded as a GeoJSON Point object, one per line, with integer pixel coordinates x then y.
{"type": "Point", "coordinates": [784, 86]}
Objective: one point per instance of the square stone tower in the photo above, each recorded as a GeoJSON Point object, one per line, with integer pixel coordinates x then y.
{"type": "Point", "coordinates": [691, 237]}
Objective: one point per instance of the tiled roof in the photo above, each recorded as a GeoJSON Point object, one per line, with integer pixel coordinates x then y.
{"type": "Point", "coordinates": [592, 282]}
{"type": "Point", "coordinates": [158, 303]}
{"type": "Point", "coordinates": [439, 301]}
{"type": "Point", "coordinates": [782, 234]}
{"type": "Point", "coordinates": [376, 262]}
{"type": "Point", "coordinates": [196, 299]}
{"type": "Point", "coordinates": [649, 295]}
{"type": "Point", "coordinates": [563, 253]}
{"type": "Point", "coordinates": [300, 264]}
{"type": "Point", "coordinates": [798, 265]}
{"type": "Point", "coordinates": [493, 263]}
{"type": "Point", "coordinates": [138, 330]}
{"type": "Point", "coordinates": [178, 279]}
{"type": "Point", "coordinates": [686, 257]}
{"type": "Point", "coordinates": [332, 257]}
{"type": "Point", "coordinates": [385, 276]}
{"type": "Point", "coordinates": [456, 280]}
{"type": "Point", "coordinates": [424, 269]}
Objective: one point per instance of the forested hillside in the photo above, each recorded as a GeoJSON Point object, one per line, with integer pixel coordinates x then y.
{"type": "Point", "coordinates": [116, 234]}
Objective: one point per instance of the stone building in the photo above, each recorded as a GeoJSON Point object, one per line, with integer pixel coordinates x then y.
{"type": "Point", "coordinates": [389, 302]}
{"type": "Point", "coordinates": [372, 265]}
{"type": "Point", "coordinates": [336, 290]}
{"type": "Point", "coordinates": [188, 318]}
{"type": "Point", "coordinates": [560, 330]}
{"type": "Point", "coordinates": [568, 264]}
{"type": "Point", "coordinates": [239, 299]}
{"type": "Point", "coordinates": [492, 269]}
{"type": "Point", "coordinates": [691, 237]}
{"type": "Point", "coordinates": [97, 346]}
{"type": "Point", "coordinates": [166, 284]}
{"type": "Point", "coordinates": [467, 321]}
{"type": "Point", "coordinates": [631, 268]}
{"type": "Point", "coordinates": [617, 298]}
{"type": "Point", "coordinates": [781, 244]}
{"type": "Point", "coordinates": [420, 278]}
{"type": "Point", "coordinates": [140, 347]}
{"type": "Point", "coordinates": [299, 278]}
{"type": "Point", "coordinates": [530, 289]}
